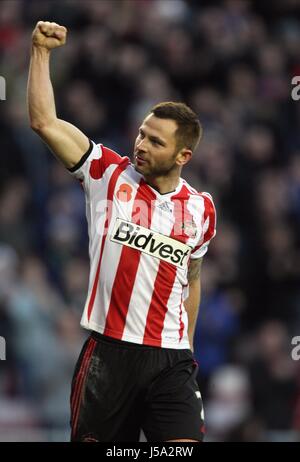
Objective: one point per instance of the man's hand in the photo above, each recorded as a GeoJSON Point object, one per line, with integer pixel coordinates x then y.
{"type": "Point", "coordinates": [49, 35]}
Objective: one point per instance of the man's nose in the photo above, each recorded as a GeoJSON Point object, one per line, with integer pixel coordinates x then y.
{"type": "Point", "coordinates": [142, 145]}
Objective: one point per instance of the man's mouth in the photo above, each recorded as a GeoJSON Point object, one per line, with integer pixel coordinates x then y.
{"type": "Point", "coordinates": [140, 159]}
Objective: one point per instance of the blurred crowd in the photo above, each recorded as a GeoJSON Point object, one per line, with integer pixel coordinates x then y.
{"type": "Point", "coordinates": [232, 61]}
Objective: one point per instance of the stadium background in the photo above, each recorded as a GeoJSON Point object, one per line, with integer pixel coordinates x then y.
{"type": "Point", "coordinates": [232, 62]}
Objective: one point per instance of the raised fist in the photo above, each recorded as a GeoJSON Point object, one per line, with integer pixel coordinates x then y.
{"type": "Point", "coordinates": [49, 35]}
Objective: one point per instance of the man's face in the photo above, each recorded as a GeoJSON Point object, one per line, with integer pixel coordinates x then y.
{"type": "Point", "coordinates": [155, 150]}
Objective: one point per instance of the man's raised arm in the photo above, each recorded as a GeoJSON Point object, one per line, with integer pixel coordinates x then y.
{"type": "Point", "coordinates": [67, 142]}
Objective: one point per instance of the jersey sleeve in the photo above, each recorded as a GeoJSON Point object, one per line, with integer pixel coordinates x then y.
{"type": "Point", "coordinates": [94, 163]}
{"type": "Point", "coordinates": [208, 228]}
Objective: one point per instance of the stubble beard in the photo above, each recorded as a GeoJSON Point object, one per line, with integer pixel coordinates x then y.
{"type": "Point", "coordinates": [156, 171]}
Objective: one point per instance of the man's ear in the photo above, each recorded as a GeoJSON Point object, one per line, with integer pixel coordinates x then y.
{"type": "Point", "coordinates": [184, 156]}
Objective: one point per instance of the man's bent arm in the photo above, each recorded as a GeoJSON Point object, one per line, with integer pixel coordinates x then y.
{"type": "Point", "coordinates": [67, 142]}
{"type": "Point", "coordinates": [192, 303]}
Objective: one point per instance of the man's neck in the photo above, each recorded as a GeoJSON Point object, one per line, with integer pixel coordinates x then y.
{"type": "Point", "coordinates": [162, 184]}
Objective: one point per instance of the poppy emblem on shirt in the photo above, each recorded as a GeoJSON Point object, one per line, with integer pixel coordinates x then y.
{"type": "Point", "coordinates": [124, 192]}
{"type": "Point", "coordinates": [189, 228]}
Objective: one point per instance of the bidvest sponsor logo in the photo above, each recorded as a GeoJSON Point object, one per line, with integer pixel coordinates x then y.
{"type": "Point", "coordinates": [152, 243]}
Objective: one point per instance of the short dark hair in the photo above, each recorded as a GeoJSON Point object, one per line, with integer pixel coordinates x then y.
{"type": "Point", "coordinates": [189, 131]}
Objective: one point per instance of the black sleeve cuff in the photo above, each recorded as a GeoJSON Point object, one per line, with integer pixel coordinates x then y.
{"type": "Point", "coordinates": [82, 160]}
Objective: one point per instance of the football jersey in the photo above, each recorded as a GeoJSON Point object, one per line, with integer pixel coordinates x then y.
{"type": "Point", "coordinates": [140, 246]}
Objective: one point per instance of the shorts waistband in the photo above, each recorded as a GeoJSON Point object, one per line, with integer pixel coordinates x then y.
{"type": "Point", "coordinates": [104, 338]}
{"type": "Point", "coordinates": [111, 340]}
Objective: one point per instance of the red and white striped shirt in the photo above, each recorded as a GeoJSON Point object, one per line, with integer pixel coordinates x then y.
{"type": "Point", "coordinates": [140, 245]}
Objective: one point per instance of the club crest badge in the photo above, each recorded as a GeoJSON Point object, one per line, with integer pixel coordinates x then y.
{"type": "Point", "coordinates": [189, 228]}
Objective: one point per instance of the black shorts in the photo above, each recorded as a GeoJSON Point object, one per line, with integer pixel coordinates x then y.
{"type": "Point", "coordinates": [119, 388]}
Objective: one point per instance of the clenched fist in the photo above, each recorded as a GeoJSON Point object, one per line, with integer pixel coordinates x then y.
{"type": "Point", "coordinates": [49, 35]}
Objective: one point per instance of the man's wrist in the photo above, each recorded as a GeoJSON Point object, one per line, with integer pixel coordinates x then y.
{"type": "Point", "coordinates": [39, 50]}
